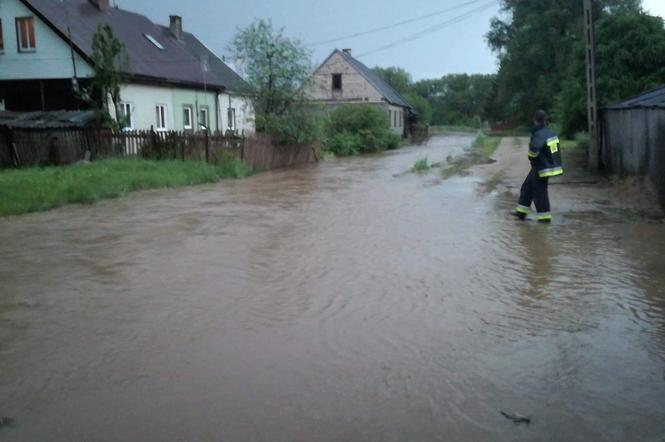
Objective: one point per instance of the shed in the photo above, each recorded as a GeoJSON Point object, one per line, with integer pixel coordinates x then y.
{"type": "Point", "coordinates": [41, 138]}
{"type": "Point", "coordinates": [633, 138]}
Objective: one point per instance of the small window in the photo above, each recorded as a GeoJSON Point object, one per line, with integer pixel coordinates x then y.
{"type": "Point", "coordinates": [160, 111]}
{"type": "Point", "coordinates": [395, 116]}
{"type": "Point", "coordinates": [232, 118]}
{"type": "Point", "coordinates": [390, 117]}
{"type": "Point", "coordinates": [187, 117]}
{"type": "Point", "coordinates": [154, 41]}
{"type": "Point", "coordinates": [337, 82]}
{"type": "Point", "coordinates": [2, 41]}
{"type": "Point", "coordinates": [25, 34]}
{"type": "Point", "coordinates": [127, 116]}
{"type": "Point", "coordinates": [204, 121]}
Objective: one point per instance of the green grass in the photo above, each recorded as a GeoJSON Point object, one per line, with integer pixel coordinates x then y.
{"type": "Point", "coordinates": [39, 189]}
{"type": "Point", "coordinates": [480, 152]}
{"type": "Point", "coordinates": [422, 165]}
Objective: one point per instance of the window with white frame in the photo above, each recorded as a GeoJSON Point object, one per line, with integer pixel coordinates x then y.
{"type": "Point", "coordinates": [126, 111]}
{"type": "Point", "coordinates": [25, 34]}
{"type": "Point", "coordinates": [188, 117]}
{"type": "Point", "coordinates": [231, 115]}
{"type": "Point", "coordinates": [204, 120]}
{"type": "Point", "coordinates": [160, 111]}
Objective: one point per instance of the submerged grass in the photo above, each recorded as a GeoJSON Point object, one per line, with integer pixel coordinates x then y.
{"type": "Point", "coordinates": [39, 189]}
{"type": "Point", "coordinates": [480, 152]}
{"type": "Point", "coordinates": [422, 165]}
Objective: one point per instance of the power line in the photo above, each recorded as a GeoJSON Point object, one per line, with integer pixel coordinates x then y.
{"type": "Point", "coordinates": [430, 30]}
{"type": "Point", "coordinates": [394, 25]}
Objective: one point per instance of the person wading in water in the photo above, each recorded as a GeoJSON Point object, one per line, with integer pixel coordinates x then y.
{"type": "Point", "coordinates": [545, 158]}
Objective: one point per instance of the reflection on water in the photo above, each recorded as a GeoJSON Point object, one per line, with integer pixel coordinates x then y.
{"type": "Point", "coordinates": [334, 302]}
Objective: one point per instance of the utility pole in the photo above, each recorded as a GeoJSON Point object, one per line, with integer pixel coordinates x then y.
{"type": "Point", "coordinates": [592, 108]}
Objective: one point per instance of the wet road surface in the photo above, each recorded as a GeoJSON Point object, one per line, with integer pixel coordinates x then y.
{"type": "Point", "coordinates": [337, 302]}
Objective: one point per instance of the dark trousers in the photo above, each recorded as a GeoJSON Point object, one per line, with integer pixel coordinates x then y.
{"type": "Point", "coordinates": [534, 190]}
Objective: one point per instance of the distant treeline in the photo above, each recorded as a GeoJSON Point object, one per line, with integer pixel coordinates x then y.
{"type": "Point", "coordinates": [456, 99]}
{"type": "Point", "coordinates": [541, 51]}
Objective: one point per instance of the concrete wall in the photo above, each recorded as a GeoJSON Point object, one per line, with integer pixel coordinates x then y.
{"type": "Point", "coordinates": [354, 86]}
{"type": "Point", "coordinates": [245, 121]}
{"type": "Point", "coordinates": [355, 89]}
{"type": "Point", "coordinates": [51, 58]}
{"type": "Point", "coordinates": [633, 143]}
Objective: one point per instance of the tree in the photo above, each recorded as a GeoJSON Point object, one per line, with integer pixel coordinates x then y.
{"type": "Point", "coordinates": [109, 64]}
{"type": "Point", "coordinates": [630, 59]}
{"type": "Point", "coordinates": [274, 65]}
{"type": "Point", "coordinates": [534, 45]}
{"type": "Point", "coordinates": [397, 78]}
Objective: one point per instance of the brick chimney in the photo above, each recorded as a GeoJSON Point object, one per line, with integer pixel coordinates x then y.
{"type": "Point", "coordinates": [102, 5]}
{"type": "Point", "coordinates": [176, 26]}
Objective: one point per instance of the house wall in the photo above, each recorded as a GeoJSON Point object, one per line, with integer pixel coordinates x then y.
{"type": "Point", "coordinates": [633, 143]}
{"type": "Point", "coordinates": [145, 98]}
{"type": "Point", "coordinates": [52, 56]}
{"type": "Point", "coordinates": [355, 88]}
{"type": "Point", "coordinates": [244, 109]}
{"type": "Point", "coordinates": [197, 99]}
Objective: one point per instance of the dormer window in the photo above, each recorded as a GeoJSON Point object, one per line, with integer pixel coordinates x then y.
{"type": "Point", "coordinates": [25, 34]}
{"type": "Point", "coordinates": [154, 41]}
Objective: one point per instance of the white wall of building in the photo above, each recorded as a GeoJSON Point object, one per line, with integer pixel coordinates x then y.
{"type": "Point", "coordinates": [244, 113]}
{"type": "Point", "coordinates": [51, 58]}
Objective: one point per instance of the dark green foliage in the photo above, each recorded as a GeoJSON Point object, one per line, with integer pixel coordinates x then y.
{"type": "Point", "coordinates": [109, 64]}
{"type": "Point", "coordinates": [397, 78]}
{"type": "Point", "coordinates": [541, 47]}
{"type": "Point", "coordinates": [630, 59]}
{"type": "Point", "coordinates": [298, 125]}
{"type": "Point", "coordinates": [352, 129]}
{"type": "Point", "coordinates": [457, 99]}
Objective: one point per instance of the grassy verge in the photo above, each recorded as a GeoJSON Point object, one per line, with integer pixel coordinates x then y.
{"type": "Point", "coordinates": [38, 189]}
{"type": "Point", "coordinates": [480, 152]}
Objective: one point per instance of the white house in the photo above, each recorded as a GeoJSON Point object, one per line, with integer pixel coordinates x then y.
{"type": "Point", "coordinates": [341, 79]}
{"type": "Point", "coordinates": [172, 84]}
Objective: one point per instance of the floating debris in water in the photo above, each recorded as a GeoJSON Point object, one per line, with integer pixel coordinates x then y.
{"type": "Point", "coordinates": [517, 418]}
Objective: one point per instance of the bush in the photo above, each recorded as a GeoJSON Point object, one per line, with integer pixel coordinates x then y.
{"type": "Point", "coordinates": [343, 144]}
{"type": "Point", "coordinates": [297, 126]}
{"type": "Point", "coordinates": [352, 129]}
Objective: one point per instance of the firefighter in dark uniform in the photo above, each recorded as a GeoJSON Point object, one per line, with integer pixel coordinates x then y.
{"type": "Point", "coordinates": [545, 158]}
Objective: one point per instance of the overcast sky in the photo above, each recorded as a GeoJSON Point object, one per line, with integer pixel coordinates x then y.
{"type": "Point", "coordinates": [451, 42]}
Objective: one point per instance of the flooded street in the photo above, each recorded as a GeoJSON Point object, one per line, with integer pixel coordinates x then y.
{"type": "Point", "coordinates": [337, 302]}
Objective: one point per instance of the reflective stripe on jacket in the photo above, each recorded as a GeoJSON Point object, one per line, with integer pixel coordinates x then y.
{"type": "Point", "coordinates": [544, 152]}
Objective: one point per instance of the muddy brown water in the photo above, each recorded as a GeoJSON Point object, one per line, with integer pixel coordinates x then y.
{"type": "Point", "coordinates": [336, 302]}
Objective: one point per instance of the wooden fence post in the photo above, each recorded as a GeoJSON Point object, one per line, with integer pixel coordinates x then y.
{"type": "Point", "coordinates": [207, 145]}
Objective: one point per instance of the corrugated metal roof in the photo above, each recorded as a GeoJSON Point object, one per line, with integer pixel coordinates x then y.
{"type": "Point", "coordinates": [375, 79]}
{"type": "Point", "coordinates": [48, 120]}
{"type": "Point", "coordinates": [651, 99]}
{"type": "Point", "coordinates": [172, 64]}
